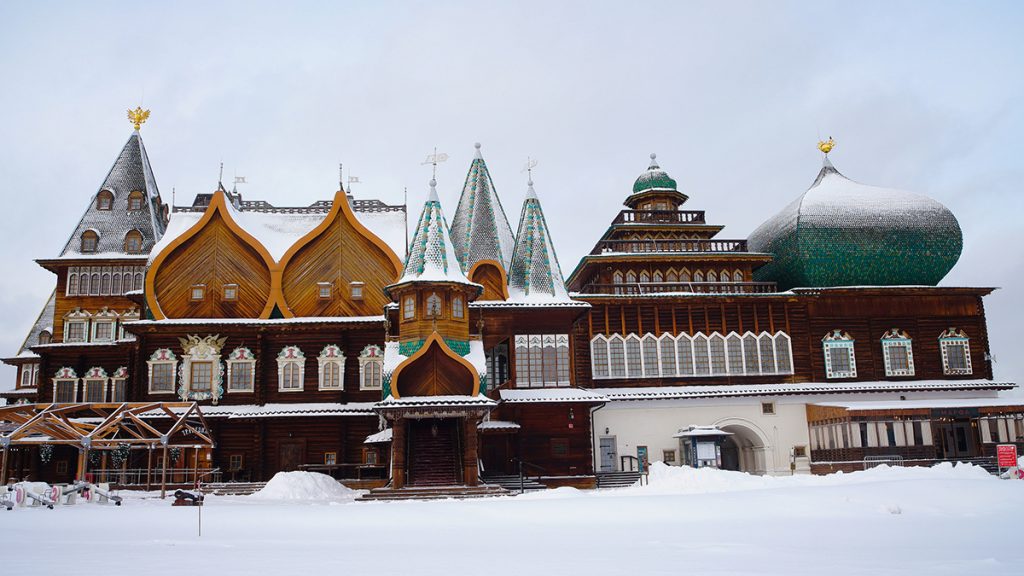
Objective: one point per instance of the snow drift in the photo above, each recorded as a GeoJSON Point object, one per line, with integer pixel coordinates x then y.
{"type": "Point", "coordinates": [308, 486]}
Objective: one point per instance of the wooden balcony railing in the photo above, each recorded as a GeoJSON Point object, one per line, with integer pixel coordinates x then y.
{"type": "Point", "coordinates": [692, 287]}
{"type": "Point", "coordinates": [660, 217]}
{"type": "Point", "coordinates": [679, 246]}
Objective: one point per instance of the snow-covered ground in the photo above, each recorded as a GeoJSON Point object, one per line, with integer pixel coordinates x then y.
{"type": "Point", "coordinates": [884, 521]}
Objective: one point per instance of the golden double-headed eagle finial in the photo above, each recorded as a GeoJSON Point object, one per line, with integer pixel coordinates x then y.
{"type": "Point", "coordinates": [138, 116]}
{"type": "Point", "coordinates": [826, 145]}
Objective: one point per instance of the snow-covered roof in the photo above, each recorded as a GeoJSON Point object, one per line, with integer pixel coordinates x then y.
{"type": "Point", "coordinates": [439, 401]}
{"type": "Point", "coordinates": [19, 392]}
{"type": "Point", "coordinates": [495, 425]}
{"type": "Point", "coordinates": [380, 437]}
{"type": "Point", "coordinates": [480, 228]}
{"type": "Point", "coordinates": [130, 172]}
{"type": "Point", "coordinates": [927, 404]}
{"type": "Point", "coordinates": [675, 392]}
{"type": "Point", "coordinates": [540, 395]}
{"type": "Point", "coordinates": [44, 322]}
{"type": "Point", "coordinates": [432, 255]}
{"type": "Point", "coordinates": [535, 275]}
{"type": "Point", "coordinates": [529, 303]}
{"type": "Point", "coordinates": [278, 410]}
{"type": "Point", "coordinates": [698, 431]}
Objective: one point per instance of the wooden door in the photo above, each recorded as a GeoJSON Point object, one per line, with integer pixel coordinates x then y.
{"type": "Point", "coordinates": [291, 454]}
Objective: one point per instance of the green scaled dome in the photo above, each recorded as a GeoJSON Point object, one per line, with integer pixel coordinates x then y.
{"type": "Point", "coordinates": [653, 179]}
{"type": "Point", "coordinates": [843, 233]}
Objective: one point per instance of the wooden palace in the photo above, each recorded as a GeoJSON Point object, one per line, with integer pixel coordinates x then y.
{"type": "Point", "coordinates": [326, 338]}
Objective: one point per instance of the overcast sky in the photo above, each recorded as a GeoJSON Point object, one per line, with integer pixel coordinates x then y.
{"type": "Point", "coordinates": [732, 96]}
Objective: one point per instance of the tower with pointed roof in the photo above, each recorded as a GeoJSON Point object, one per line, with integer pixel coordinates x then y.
{"type": "Point", "coordinates": [100, 269]}
{"type": "Point", "coordinates": [481, 234]}
{"type": "Point", "coordinates": [535, 274]}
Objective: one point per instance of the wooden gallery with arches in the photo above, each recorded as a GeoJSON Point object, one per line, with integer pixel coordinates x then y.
{"type": "Point", "coordinates": [405, 355]}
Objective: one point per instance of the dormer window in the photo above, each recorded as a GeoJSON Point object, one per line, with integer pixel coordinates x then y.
{"type": "Point", "coordinates": [135, 200]}
{"type": "Point", "coordinates": [90, 239]}
{"type": "Point", "coordinates": [104, 200]}
{"type": "Point", "coordinates": [324, 290]}
{"type": "Point", "coordinates": [198, 292]}
{"type": "Point", "coordinates": [356, 290]}
{"type": "Point", "coordinates": [133, 242]}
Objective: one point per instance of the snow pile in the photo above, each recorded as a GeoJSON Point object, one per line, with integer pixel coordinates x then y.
{"type": "Point", "coordinates": [309, 486]}
{"type": "Point", "coordinates": [686, 480]}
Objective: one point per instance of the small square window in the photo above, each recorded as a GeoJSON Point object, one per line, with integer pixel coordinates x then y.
{"type": "Point", "coordinates": [235, 462]}
{"type": "Point", "coordinates": [231, 292]}
{"type": "Point", "coordinates": [356, 290]}
{"type": "Point", "coordinates": [198, 292]}
{"type": "Point", "coordinates": [75, 332]}
{"type": "Point", "coordinates": [669, 456]}
{"type": "Point", "coordinates": [324, 290]}
{"type": "Point", "coordinates": [799, 451]}
{"type": "Point", "coordinates": [768, 408]}
{"type": "Point", "coordinates": [104, 331]}
{"type": "Point", "coordinates": [330, 458]}
{"type": "Point", "coordinates": [62, 467]}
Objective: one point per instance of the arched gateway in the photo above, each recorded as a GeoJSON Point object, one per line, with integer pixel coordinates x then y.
{"type": "Point", "coordinates": [748, 449]}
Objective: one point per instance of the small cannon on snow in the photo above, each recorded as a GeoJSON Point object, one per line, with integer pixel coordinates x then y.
{"type": "Point", "coordinates": [187, 498]}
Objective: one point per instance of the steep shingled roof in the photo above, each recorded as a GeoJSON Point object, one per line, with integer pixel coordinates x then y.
{"type": "Point", "coordinates": [131, 171]}
{"type": "Point", "coordinates": [431, 253]}
{"type": "Point", "coordinates": [534, 273]}
{"type": "Point", "coordinates": [43, 322]}
{"type": "Point", "coordinates": [480, 229]}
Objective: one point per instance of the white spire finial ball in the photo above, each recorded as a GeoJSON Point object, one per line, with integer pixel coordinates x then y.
{"type": "Point", "coordinates": [653, 155]}
{"type": "Point", "coordinates": [477, 145]}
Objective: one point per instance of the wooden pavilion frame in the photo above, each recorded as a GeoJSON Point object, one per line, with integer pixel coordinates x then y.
{"type": "Point", "coordinates": [100, 426]}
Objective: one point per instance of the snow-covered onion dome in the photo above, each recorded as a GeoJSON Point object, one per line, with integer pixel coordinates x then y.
{"type": "Point", "coordinates": [843, 233]}
{"type": "Point", "coordinates": [654, 178]}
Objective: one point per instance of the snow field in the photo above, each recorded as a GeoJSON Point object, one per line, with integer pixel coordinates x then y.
{"type": "Point", "coordinates": [945, 520]}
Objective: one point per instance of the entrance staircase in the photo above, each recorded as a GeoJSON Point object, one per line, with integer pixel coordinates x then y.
{"type": "Point", "coordinates": [617, 479]}
{"type": "Point", "coordinates": [433, 493]}
{"type": "Point", "coordinates": [511, 483]}
{"type": "Point", "coordinates": [433, 458]}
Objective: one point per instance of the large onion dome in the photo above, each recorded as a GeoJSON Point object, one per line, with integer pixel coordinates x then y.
{"type": "Point", "coordinates": [843, 233]}
{"type": "Point", "coordinates": [654, 178]}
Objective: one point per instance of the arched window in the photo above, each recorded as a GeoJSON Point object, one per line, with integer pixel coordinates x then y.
{"type": "Point", "coordinates": [684, 275]}
{"type": "Point", "coordinates": [667, 348]}
{"type": "Point", "coordinates": [241, 370]}
{"type": "Point", "coordinates": [630, 277]}
{"type": "Point", "coordinates": [90, 240]}
{"type": "Point", "coordinates": [617, 277]}
{"type": "Point", "coordinates": [652, 368]}
{"type": "Point", "coordinates": [105, 284]}
{"type": "Point", "coordinates": [104, 200]}
{"type": "Point", "coordinates": [133, 242]}
{"type": "Point", "coordinates": [163, 367]}
{"type": "Point", "coordinates": [717, 348]}
{"type": "Point", "coordinates": [291, 367]}
{"type": "Point", "coordinates": [766, 346]}
{"type": "Point", "coordinates": [658, 276]}
{"type": "Point", "coordinates": [701, 361]}
{"type": "Point", "coordinates": [45, 337]}
{"type": "Point", "coordinates": [72, 289]}
{"type": "Point", "coordinates": [751, 357]}
{"type": "Point", "coordinates": [672, 277]}
{"type": "Point", "coordinates": [737, 276]}
{"type": "Point", "coordinates": [840, 361]}
{"type": "Point", "coordinates": [698, 276]}
{"type": "Point", "coordinates": [645, 278]}
{"type": "Point", "coordinates": [371, 368]}
{"type": "Point", "coordinates": [135, 200]}
{"type": "Point", "coordinates": [409, 307]}
{"type": "Point", "coordinates": [458, 308]}
{"type": "Point", "coordinates": [712, 276]}
{"type": "Point", "coordinates": [94, 285]}
{"type": "Point", "coordinates": [83, 285]}
{"type": "Point", "coordinates": [332, 368]}
{"type": "Point", "coordinates": [956, 352]}
{"type": "Point", "coordinates": [617, 356]}
{"type": "Point", "coordinates": [433, 306]}
{"type": "Point", "coordinates": [684, 352]}
{"type": "Point", "coordinates": [138, 281]}
{"type": "Point", "coordinates": [734, 354]}
{"type": "Point", "coordinates": [115, 285]}
{"type": "Point", "coordinates": [633, 362]}
{"type": "Point", "coordinates": [599, 356]}
{"type": "Point", "coordinates": [783, 354]}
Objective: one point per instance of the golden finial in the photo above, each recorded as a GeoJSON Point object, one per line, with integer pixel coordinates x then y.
{"type": "Point", "coordinates": [826, 145]}
{"type": "Point", "coordinates": [138, 116]}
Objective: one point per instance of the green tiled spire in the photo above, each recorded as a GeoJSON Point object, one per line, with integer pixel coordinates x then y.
{"type": "Point", "coordinates": [654, 179]}
{"type": "Point", "coordinates": [535, 273]}
{"type": "Point", "coordinates": [480, 229]}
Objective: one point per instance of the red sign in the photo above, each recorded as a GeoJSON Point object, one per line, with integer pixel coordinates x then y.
{"type": "Point", "coordinates": [1006, 455]}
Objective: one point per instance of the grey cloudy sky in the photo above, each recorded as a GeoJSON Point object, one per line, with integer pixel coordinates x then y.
{"type": "Point", "coordinates": [925, 96]}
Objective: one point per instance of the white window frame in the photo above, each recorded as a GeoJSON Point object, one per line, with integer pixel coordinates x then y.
{"type": "Point", "coordinates": [896, 338]}
{"type": "Point", "coordinates": [29, 373]}
{"type": "Point", "coordinates": [333, 356]}
{"type": "Point", "coordinates": [119, 378]}
{"type": "Point", "coordinates": [325, 290]}
{"type": "Point", "coordinates": [291, 356]}
{"type": "Point", "coordinates": [458, 307]}
{"type": "Point", "coordinates": [162, 356]}
{"type": "Point", "coordinates": [954, 337]}
{"type": "Point", "coordinates": [239, 356]}
{"type": "Point", "coordinates": [532, 370]}
{"type": "Point", "coordinates": [203, 350]}
{"type": "Point", "coordinates": [434, 306]}
{"type": "Point", "coordinates": [409, 307]}
{"type": "Point", "coordinates": [77, 316]}
{"type": "Point", "coordinates": [838, 339]}
{"type": "Point", "coordinates": [65, 374]}
{"type": "Point", "coordinates": [372, 357]}
{"type": "Point", "coordinates": [356, 290]}
{"type": "Point", "coordinates": [94, 377]}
